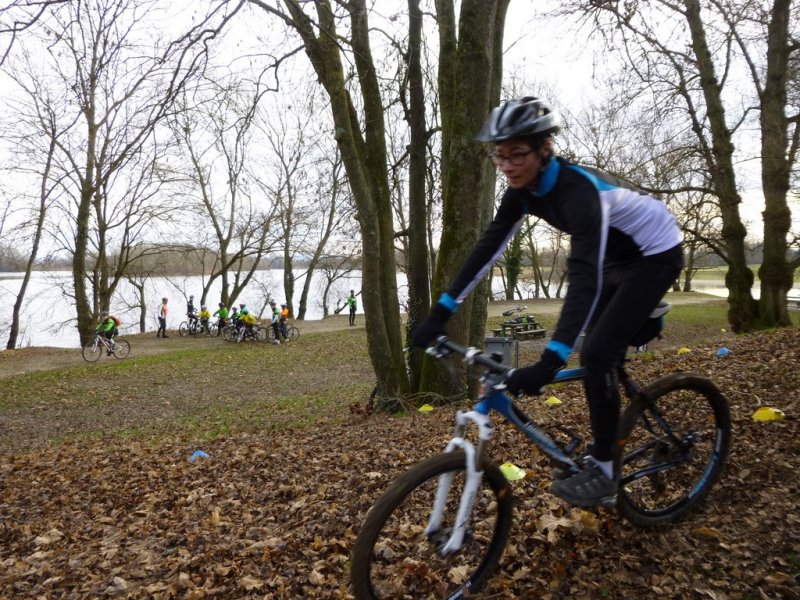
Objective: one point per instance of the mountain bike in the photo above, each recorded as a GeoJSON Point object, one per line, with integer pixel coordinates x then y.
{"type": "Point", "coordinates": [232, 333]}
{"type": "Point", "coordinates": [289, 332]}
{"type": "Point", "coordinates": [94, 350]}
{"type": "Point", "coordinates": [192, 327]}
{"type": "Point", "coordinates": [440, 529]}
{"type": "Point", "coordinates": [516, 309]}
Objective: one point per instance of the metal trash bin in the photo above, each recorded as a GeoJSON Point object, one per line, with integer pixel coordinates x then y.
{"type": "Point", "coordinates": [507, 346]}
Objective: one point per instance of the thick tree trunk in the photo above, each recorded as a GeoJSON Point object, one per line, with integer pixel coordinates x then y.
{"type": "Point", "coordinates": [742, 309]}
{"type": "Point", "coordinates": [418, 270]}
{"type": "Point", "coordinates": [84, 314]}
{"type": "Point", "coordinates": [364, 159]}
{"type": "Point", "coordinates": [469, 75]}
{"type": "Point", "coordinates": [776, 273]}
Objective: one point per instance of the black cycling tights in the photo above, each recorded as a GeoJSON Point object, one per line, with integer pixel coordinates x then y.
{"type": "Point", "coordinates": [630, 293]}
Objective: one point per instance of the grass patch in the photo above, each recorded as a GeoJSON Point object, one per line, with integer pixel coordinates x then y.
{"type": "Point", "coordinates": [718, 273]}
{"type": "Point", "coordinates": [712, 314]}
{"type": "Point", "coordinates": [195, 393]}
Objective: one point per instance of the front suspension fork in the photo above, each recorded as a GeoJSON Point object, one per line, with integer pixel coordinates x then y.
{"type": "Point", "coordinates": [473, 475]}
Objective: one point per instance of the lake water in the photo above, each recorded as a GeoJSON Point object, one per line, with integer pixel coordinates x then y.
{"type": "Point", "coordinates": [48, 314]}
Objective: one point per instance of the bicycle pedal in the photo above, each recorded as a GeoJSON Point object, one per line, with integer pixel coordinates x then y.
{"type": "Point", "coordinates": [609, 502]}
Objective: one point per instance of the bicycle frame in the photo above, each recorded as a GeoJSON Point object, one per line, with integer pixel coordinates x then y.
{"type": "Point", "coordinates": [101, 340]}
{"type": "Point", "coordinates": [494, 398]}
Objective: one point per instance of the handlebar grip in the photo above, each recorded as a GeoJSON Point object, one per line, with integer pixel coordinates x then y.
{"type": "Point", "coordinates": [444, 346]}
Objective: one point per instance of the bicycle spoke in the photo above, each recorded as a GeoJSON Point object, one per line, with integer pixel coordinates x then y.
{"type": "Point", "coordinates": [398, 559]}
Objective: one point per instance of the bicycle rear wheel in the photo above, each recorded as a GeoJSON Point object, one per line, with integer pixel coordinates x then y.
{"type": "Point", "coordinates": [183, 329]}
{"type": "Point", "coordinates": [394, 558]}
{"type": "Point", "coordinates": [229, 333]}
{"type": "Point", "coordinates": [91, 352]}
{"type": "Point", "coordinates": [674, 441]}
{"type": "Point", "coordinates": [292, 333]}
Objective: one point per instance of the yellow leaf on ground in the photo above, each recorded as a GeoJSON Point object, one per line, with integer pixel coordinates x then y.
{"type": "Point", "coordinates": [552, 401]}
{"type": "Point", "coordinates": [767, 413]}
{"type": "Point", "coordinates": [425, 408]}
{"type": "Point", "coordinates": [683, 350]}
{"type": "Point", "coordinates": [512, 472]}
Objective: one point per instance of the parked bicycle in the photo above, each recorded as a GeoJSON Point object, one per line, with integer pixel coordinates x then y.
{"type": "Point", "coordinates": [673, 441]}
{"type": "Point", "coordinates": [93, 351]}
{"type": "Point", "coordinates": [516, 309]}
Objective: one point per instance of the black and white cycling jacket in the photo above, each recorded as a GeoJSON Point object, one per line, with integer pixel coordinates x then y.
{"type": "Point", "coordinates": [608, 219]}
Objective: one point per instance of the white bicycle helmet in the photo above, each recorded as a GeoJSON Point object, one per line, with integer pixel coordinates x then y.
{"type": "Point", "coordinates": [519, 117]}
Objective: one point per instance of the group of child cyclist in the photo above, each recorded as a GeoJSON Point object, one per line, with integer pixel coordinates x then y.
{"type": "Point", "coordinates": [240, 317]}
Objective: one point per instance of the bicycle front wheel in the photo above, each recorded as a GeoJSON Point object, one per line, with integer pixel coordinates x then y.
{"type": "Point", "coordinates": [674, 441]}
{"type": "Point", "coordinates": [394, 558]}
{"type": "Point", "coordinates": [122, 348]}
{"type": "Point", "coordinates": [91, 352]}
{"type": "Point", "coordinates": [292, 333]}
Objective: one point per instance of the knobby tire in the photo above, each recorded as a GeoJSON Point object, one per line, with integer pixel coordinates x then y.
{"type": "Point", "coordinates": [698, 416]}
{"type": "Point", "coordinates": [122, 348]}
{"type": "Point", "coordinates": [384, 562]}
{"type": "Point", "coordinates": [92, 352]}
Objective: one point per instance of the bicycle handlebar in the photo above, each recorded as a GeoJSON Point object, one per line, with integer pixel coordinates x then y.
{"type": "Point", "coordinates": [443, 347]}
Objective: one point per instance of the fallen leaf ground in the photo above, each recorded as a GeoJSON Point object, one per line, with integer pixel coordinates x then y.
{"type": "Point", "coordinates": [99, 497]}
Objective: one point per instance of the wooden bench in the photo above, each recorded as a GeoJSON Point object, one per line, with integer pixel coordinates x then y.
{"type": "Point", "coordinates": [530, 334]}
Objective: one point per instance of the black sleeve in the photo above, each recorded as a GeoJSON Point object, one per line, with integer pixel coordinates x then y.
{"type": "Point", "coordinates": [582, 210]}
{"type": "Point", "coordinates": [491, 245]}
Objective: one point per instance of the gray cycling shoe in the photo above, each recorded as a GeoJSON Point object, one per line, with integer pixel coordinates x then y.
{"type": "Point", "coordinates": [587, 489]}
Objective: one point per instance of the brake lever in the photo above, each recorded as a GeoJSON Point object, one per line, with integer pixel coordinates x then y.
{"type": "Point", "coordinates": [437, 351]}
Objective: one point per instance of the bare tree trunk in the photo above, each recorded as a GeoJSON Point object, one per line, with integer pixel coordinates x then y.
{"type": "Point", "coordinates": [469, 85]}
{"type": "Point", "coordinates": [742, 309]}
{"type": "Point", "coordinates": [776, 272]}
{"type": "Point", "coordinates": [44, 194]}
{"type": "Point", "coordinates": [142, 302]}
{"type": "Point", "coordinates": [84, 313]}
{"type": "Point", "coordinates": [364, 158]}
{"type": "Point", "coordinates": [418, 269]}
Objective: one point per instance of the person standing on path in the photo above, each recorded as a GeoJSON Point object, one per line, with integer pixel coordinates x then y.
{"type": "Point", "coordinates": [162, 319]}
{"type": "Point", "coordinates": [352, 303]}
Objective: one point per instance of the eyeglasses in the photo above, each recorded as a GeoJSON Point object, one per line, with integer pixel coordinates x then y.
{"type": "Point", "coordinates": [516, 158]}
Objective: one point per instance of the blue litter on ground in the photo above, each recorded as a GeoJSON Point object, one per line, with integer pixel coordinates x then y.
{"type": "Point", "coordinates": [197, 454]}
{"type": "Point", "coordinates": [723, 351]}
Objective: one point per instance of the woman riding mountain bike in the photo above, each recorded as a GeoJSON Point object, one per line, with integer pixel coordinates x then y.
{"type": "Point", "coordinates": [625, 254]}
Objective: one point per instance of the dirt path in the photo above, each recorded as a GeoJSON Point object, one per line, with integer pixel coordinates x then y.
{"type": "Point", "coordinates": [27, 360]}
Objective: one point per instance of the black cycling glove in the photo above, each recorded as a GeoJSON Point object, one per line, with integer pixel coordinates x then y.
{"type": "Point", "coordinates": [532, 380]}
{"type": "Point", "coordinates": [432, 327]}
